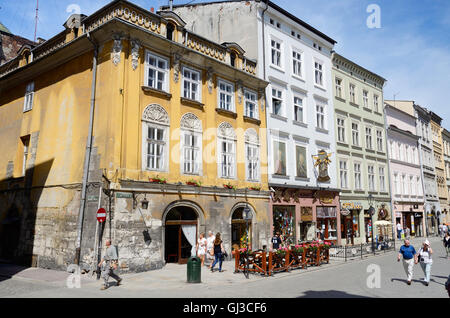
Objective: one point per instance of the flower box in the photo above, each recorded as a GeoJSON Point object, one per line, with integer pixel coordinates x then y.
{"type": "Point", "coordinates": [157, 180]}
{"type": "Point", "coordinates": [194, 183]}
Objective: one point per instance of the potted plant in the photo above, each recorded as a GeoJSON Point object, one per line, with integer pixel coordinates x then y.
{"type": "Point", "coordinates": [255, 188]}
{"type": "Point", "coordinates": [194, 183]}
{"type": "Point", "coordinates": [229, 186]}
{"type": "Point", "coordinates": [157, 179]}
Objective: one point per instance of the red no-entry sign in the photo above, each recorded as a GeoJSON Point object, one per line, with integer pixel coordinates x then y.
{"type": "Point", "coordinates": [101, 215]}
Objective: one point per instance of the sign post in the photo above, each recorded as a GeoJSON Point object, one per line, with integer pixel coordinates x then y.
{"type": "Point", "coordinates": [101, 218]}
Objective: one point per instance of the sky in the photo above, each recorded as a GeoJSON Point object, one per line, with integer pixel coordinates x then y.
{"type": "Point", "coordinates": [411, 47]}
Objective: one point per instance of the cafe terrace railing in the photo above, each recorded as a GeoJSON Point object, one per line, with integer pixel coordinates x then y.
{"type": "Point", "coordinates": [282, 260]}
{"type": "Point", "coordinates": [348, 252]}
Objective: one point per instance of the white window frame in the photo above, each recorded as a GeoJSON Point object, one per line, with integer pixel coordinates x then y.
{"type": "Point", "coordinates": [196, 164]}
{"type": "Point", "coordinates": [191, 82]}
{"type": "Point", "coordinates": [254, 161]}
{"type": "Point", "coordinates": [300, 106]}
{"type": "Point", "coordinates": [382, 178]}
{"type": "Point", "coordinates": [232, 106]}
{"type": "Point", "coordinates": [29, 97]}
{"type": "Point", "coordinates": [297, 63]}
{"type": "Point", "coordinates": [277, 52]}
{"type": "Point", "coordinates": [371, 177]}
{"type": "Point", "coordinates": [249, 100]}
{"type": "Point", "coordinates": [359, 178]}
{"type": "Point", "coordinates": [365, 96]}
{"type": "Point", "coordinates": [357, 134]}
{"type": "Point", "coordinates": [321, 116]}
{"type": "Point", "coordinates": [338, 87]}
{"type": "Point", "coordinates": [319, 70]}
{"type": "Point", "coordinates": [164, 155]}
{"type": "Point", "coordinates": [379, 134]}
{"type": "Point", "coordinates": [281, 91]}
{"type": "Point", "coordinates": [352, 93]}
{"type": "Point", "coordinates": [341, 129]}
{"type": "Point", "coordinates": [368, 137]}
{"type": "Point", "coordinates": [231, 154]}
{"type": "Point", "coordinates": [375, 102]}
{"type": "Point", "coordinates": [343, 172]}
{"type": "Point", "coordinates": [166, 84]}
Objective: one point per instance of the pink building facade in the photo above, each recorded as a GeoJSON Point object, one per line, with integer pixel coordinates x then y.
{"type": "Point", "coordinates": [404, 166]}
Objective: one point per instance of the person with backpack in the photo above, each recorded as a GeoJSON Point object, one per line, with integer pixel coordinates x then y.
{"type": "Point", "coordinates": [108, 264]}
{"type": "Point", "coordinates": [424, 258]}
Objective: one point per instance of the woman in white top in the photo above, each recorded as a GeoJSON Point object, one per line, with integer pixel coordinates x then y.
{"type": "Point", "coordinates": [210, 247]}
{"type": "Point", "coordinates": [201, 247]}
{"type": "Point", "coordinates": [424, 257]}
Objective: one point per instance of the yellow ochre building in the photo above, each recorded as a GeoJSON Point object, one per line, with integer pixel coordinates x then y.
{"type": "Point", "coordinates": [128, 111]}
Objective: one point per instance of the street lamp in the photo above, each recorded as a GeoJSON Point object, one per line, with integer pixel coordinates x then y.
{"type": "Point", "coordinates": [371, 212]}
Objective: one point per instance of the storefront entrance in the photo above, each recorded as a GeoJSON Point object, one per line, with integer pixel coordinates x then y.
{"type": "Point", "coordinates": [180, 234]}
{"type": "Point", "coordinates": [239, 230]}
{"type": "Point", "coordinates": [284, 223]}
{"type": "Point", "coordinates": [350, 226]}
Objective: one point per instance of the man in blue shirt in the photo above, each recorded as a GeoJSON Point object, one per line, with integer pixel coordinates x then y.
{"type": "Point", "coordinates": [408, 252]}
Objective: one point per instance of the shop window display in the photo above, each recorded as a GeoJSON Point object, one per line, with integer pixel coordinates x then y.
{"type": "Point", "coordinates": [284, 223]}
{"type": "Point", "coordinates": [327, 222]}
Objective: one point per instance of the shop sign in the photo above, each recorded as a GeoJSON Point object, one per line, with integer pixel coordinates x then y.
{"type": "Point", "coordinates": [306, 214]}
{"type": "Point", "coordinates": [417, 215]}
{"type": "Point", "coordinates": [124, 195]}
{"type": "Point", "coordinates": [352, 205]}
{"type": "Point", "coordinates": [345, 212]}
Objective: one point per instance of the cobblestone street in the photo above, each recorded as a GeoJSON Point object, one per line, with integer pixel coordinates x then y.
{"type": "Point", "coordinates": [338, 279]}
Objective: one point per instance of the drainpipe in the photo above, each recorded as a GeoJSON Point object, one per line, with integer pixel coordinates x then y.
{"type": "Point", "coordinates": [88, 154]}
{"type": "Point", "coordinates": [386, 129]}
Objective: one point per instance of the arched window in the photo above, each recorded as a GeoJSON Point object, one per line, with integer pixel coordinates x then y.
{"type": "Point", "coordinates": [233, 59]}
{"type": "Point", "coordinates": [227, 151]}
{"type": "Point", "coordinates": [155, 135]}
{"type": "Point", "coordinates": [191, 144]}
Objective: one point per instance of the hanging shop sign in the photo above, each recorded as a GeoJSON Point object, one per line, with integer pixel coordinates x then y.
{"type": "Point", "coordinates": [351, 205]}
{"type": "Point", "coordinates": [306, 214]}
{"type": "Point", "coordinates": [322, 160]}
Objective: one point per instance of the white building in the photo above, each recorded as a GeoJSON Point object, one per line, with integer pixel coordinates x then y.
{"type": "Point", "coordinates": [296, 59]}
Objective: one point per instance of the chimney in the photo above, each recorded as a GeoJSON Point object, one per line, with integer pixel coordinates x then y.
{"type": "Point", "coordinates": [152, 10]}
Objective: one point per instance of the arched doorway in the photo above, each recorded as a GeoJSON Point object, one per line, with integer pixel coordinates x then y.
{"type": "Point", "coordinates": [10, 234]}
{"type": "Point", "coordinates": [239, 227]}
{"type": "Point", "coordinates": [181, 224]}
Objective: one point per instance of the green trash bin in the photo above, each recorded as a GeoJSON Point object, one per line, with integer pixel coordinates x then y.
{"type": "Point", "coordinates": [194, 270]}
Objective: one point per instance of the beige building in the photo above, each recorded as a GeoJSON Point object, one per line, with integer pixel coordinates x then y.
{"type": "Point", "coordinates": [446, 150]}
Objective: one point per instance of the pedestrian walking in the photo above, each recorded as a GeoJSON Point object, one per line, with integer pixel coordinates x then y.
{"type": "Point", "coordinates": [399, 231]}
{"type": "Point", "coordinates": [408, 252]}
{"type": "Point", "coordinates": [201, 248]}
{"type": "Point", "coordinates": [218, 252]}
{"type": "Point", "coordinates": [447, 243]}
{"type": "Point", "coordinates": [444, 229]}
{"type": "Point", "coordinates": [210, 248]}
{"type": "Point", "coordinates": [407, 233]}
{"type": "Point", "coordinates": [108, 264]}
{"type": "Point", "coordinates": [424, 258]}
{"type": "Point", "coordinates": [440, 229]}
{"type": "Point", "coordinates": [276, 241]}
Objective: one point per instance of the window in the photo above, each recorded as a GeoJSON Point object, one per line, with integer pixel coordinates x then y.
{"type": "Point", "coordinates": [156, 143]}
{"type": "Point", "coordinates": [405, 185]}
{"type": "Point", "coordinates": [379, 140]}
{"type": "Point", "coordinates": [375, 103]}
{"type": "Point", "coordinates": [357, 171]}
{"type": "Point", "coordinates": [227, 158]}
{"type": "Point", "coordinates": [407, 154]}
{"type": "Point", "coordinates": [338, 83]}
{"type": "Point", "coordinates": [192, 156]}
{"type": "Point", "coordinates": [355, 134]}
{"type": "Point", "coordinates": [419, 186]}
{"type": "Point", "coordinates": [371, 174]}
{"type": "Point", "coordinates": [233, 59]}
{"type": "Point", "coordinates": [300, 154]}
{"type": "Point", "coordinates": [401, 153]}
{"type": "Point", "coordinates": [382, 179]}
{"type": "Point", "coordinates": [298, 109]}
{"type": "Point", "coordinates": [352, 94]}
{"type": "Point", "coordinates": [341, 129]}
{"type": "Point", "coordinates": [157, 69]}
{"type": "Point", "coordinates": [252, 155]}
{"type": "Point", "coordinates": [277, 102]}
{"type": "Point", "coordinates": [318, 73]}
{"type": "Point", "coordinates": [365, 98]}
{"type": "Point", "coordinates": [226, 96]}
{"type": "Point", "coordinates": [343, 174]}
{"type": "Point", "coordinates": [170, 30]}
{"type": "Point", "coordinates": [297, 63]}
{"type": "Point", "coordinates": [412, 185]}
{"type": "Point", "coordinates": [26, 147]}
{"type": "Point", "coordinates": [320, 116]}
{"type": "Point", "coordinates": [251, 105]}
{"type": "Point", "coordinates": [191, 84]}
{"type": "Point", "coordinates": [276, 53]}
{"type": "Point", "coordinates": [368, 138]}
{"type": "Point", "coordinates": [29, 96]}
{"type": "Point", "coordinates": [279, 156]}
{"type": "Point", "coordinates": [397, 184]}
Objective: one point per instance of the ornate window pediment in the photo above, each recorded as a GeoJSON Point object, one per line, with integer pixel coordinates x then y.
{"type": "Point", "coordinates": [251, 136]}
{"type": "Point", "coordinates": [155, 113]}
{"type": "Point", "coordinates": [225, 130]}
{"type": "Point", "coordinates": [191, 122]}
